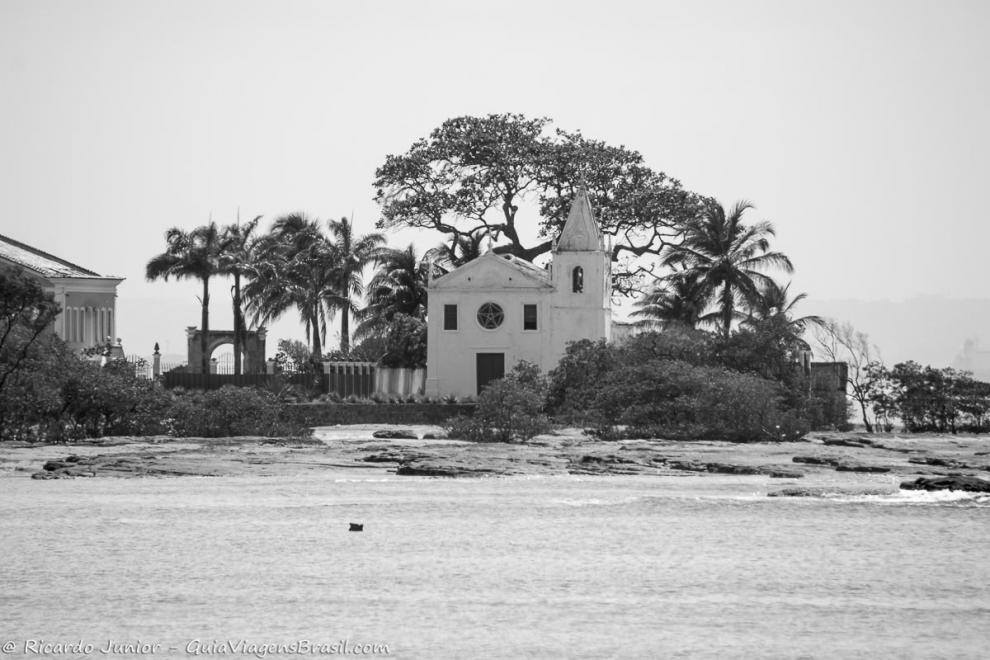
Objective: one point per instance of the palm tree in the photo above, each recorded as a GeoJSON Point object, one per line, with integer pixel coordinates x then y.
{"type": "Point", "coordinates": [236, 258]}
{"type": "Point", "coordinates": [353, 254]}
{"type": "Point", "coordinates": [296, 267]}
{"type": "Point", "coordinates": [399, 286]}
{"type": "Point", "coordinates": [196, 255]}
{"type": "Point", "coordinates": [774, 304]}
{"type": "Point", "coordinates": [728, 258]}
{"type": "Point", "coordinates": [676, 299]}
{"type": "Point", "coordinates": [463, 248]}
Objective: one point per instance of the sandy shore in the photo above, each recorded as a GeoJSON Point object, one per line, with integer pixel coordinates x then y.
{"type": "Point", "coordinates": [832, 462]}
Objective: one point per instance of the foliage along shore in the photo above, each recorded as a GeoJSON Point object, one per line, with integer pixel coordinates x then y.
{"type": "Point", "coordinates": [819, 462]}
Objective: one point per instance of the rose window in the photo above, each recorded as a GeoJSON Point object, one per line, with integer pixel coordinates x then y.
{"type": "Point", "coordinates": [490, 316]}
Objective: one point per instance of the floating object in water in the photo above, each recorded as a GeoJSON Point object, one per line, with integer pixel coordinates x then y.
{"type": "Point", "coordinates": [355, 527]}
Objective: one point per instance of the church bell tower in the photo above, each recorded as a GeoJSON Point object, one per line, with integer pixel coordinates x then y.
{"type": "Point", "coordinates": [582, 278]}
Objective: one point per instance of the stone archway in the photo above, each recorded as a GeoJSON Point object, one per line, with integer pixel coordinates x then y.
{"type": "Point", "coordinates": [253, 349]}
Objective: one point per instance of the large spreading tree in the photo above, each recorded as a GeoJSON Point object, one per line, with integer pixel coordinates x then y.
{"type": "Point", "coordinates": [472, 176]}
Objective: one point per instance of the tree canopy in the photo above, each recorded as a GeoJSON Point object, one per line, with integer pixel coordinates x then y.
{"type": "Point", "coordinates": [469, 178]}
{"type": "Point", "coordinates": [191, 255]}
{"type": "Point", "coordinates": [727, 259]}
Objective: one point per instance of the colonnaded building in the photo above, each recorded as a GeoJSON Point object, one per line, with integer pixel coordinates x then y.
{"type": "Point", "coordinates": [88, 299]}
{"type": "Point", "coordinates": [498, 310]}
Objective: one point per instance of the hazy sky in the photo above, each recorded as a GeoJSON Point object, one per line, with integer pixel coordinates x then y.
{"type": "Point", "coordinates": [860, 129]}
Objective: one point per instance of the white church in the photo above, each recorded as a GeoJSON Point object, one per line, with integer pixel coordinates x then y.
{"type": "Point", "coordinates": [498, 310]}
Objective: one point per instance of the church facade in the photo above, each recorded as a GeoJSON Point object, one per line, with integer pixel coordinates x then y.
{"type": "Point", "coordinates": [498, 310]}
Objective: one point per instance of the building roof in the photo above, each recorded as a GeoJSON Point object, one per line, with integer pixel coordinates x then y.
{"type": "Point", "coordinates": [464, 276]}
{"type": "Point", "coordinates": [40, 262]}
{"type": "Point", "coordinates": [581, 232]}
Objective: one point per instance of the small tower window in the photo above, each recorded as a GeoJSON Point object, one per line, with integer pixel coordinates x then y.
{"type": "Point", "coordinates": [577, 279]}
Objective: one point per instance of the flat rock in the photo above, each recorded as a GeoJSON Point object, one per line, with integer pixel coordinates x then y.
{"type": "Point", "coordinates": [396, 434]}
{"type": "Point", "coordinates": [968, 484]}
{"type": "Point", "coordinates": [854, 467]}
{"type": "Point", "coordinates": [824, 492]}
{"type": "Point", "coordinates": [816, 460]}
{"type": "Point", "coordinates": [438, 470]}
{"type": "Point", "coordinates": [728, 468]}
{"type": "Point", "coordinates": [946, 463]}
{"type": "Point", "coordinates": [784, 474]}
{"type": "Point", "coordinates": [842, 442]}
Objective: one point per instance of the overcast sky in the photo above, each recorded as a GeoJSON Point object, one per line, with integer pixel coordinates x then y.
{"type": "Point", "coordinates": [860, 129]}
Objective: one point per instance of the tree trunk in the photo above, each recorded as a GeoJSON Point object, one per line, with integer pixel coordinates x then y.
{"type": "Point", "coordinates": [345, 328]}
{"type": "Point", "coordinates": [317, 355]}
{"type": "Point", "coordinates": [860, 397]}
{"type": "Point", "coordinates": [238, 330]}
{"type": "Point", "coordinates": [727, 309]}
{"type": "Point", "coordinates": [204, 335]}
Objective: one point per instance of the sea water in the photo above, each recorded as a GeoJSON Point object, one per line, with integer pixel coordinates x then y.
{"type": "Point", "coordinates": [548, 567]}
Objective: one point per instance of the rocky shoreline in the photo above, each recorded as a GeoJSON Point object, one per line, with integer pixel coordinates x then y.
{"type": "Point", "coordinates": [819, 462]}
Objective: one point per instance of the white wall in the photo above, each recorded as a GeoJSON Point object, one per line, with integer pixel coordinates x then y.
{"type": "Point", "coordinates": [562, 316]}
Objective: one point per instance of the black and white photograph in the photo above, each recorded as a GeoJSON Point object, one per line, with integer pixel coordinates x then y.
{"type": "Point", "coordinates": [531, 329]}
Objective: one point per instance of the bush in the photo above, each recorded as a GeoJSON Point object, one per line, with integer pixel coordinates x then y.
{"type": "Point", "coordinates": [229, 411]}
{"type": "Point", "coordinates": [688, 383]}
{"type": "Point", "coordinates": [405, 342]}
{"type": "Point", "coordinates": [509, 409]}
{"type": "Point", "coordinates": [672, 398]}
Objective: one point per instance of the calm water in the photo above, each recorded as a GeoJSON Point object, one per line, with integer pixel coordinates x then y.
{"type": "Point", "coordinates": [518, 568]}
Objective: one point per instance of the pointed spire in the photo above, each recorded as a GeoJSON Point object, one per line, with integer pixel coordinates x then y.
{"type": "Point", "coordinates": [581, 232]}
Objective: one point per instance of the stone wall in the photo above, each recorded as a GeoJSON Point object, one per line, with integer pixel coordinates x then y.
{"type": "Point", "coordinates": [328, 414]}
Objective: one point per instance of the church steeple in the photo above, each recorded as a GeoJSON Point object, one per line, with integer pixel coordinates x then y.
{"type": "Point", "coordinates": [581, 232]}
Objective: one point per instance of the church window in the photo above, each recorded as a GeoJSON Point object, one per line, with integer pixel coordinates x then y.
{"type": "Point", "coordinates": [490, 316]}
{"type": "Point", "coordinates": [450, 317]}
{"type": "Point", "coordinates": [577, 279]}
{"type": "Point", "coordinates": [529, 317]}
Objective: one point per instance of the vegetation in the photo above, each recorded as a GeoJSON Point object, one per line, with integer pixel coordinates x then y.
{"type": "Point", "coordinates": [65, 397]}
{"type": "Point", "coordinates": [725, 260]}
{"type": "Point", "coordinates": [191, 255]}
{"type": "Point", "coordinates": [398, 287]}
{"type": "Point", "coordinates": [405, 342]}
{"type": "Point", "coordinates": [689, 383]}
{"type": "Point", "coordinates": [469, 179]}
{"type": "Point", "coordinates": [353, 253]}
{"type": "Point", "coordinates": [840, 342]}
{"type": "Point", "coordinates": [236, 259]}
{"type": "Point", "coordinates": [926, 399]}
{"type": "Point", "coordinates": [509, 409]}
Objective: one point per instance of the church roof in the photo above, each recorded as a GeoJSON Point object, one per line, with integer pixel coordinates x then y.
{"type": "Point", "coordinates": [40, 262]}
{"type": "Point", "coordinates": [581, 232]}
{"type": "Point", "coordinates": [461, 276]}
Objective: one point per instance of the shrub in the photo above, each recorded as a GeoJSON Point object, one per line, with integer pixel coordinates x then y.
{"type": "Point", "coordinates": [671, 398]}
{"type": "Point", "coordinates": [230, 411]}
{"type": "Point", "coordinates": [509, 409]}
{"type": "Point", "coordinates": [405, 342]}
{"type": "Point", "coordinates": [571, 389]}
{"type": "Point", "coordinates": [109, 400]}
